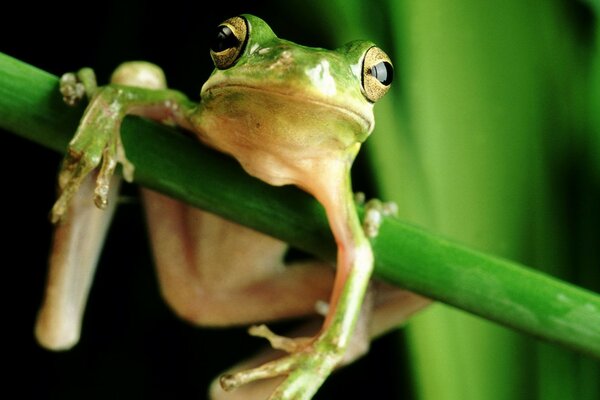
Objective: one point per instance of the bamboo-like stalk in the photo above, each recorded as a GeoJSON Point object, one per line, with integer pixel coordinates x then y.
{"type": "Point", "coordinates": [497, 289]}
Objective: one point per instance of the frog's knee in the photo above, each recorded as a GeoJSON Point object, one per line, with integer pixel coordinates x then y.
{"type": "Point", "coordinates": [139, 74]}
{"type": "Point", "coordinates": [56, 332]}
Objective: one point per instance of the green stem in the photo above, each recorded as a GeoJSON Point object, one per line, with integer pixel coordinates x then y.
{"type": "Point", "coordinates": [497, 289]}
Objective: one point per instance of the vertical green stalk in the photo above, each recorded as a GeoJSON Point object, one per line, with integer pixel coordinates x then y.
{"type": "Point", "coordinates": [485, 106]}
{"type": "Point", "coordinates": [472, 92]}
{"type": "Point", "coordinates": [594, 139]}
{"type": "Point", "coordinates": [588, 229]}
{"type": "Point", "coordinates": [495, 102]}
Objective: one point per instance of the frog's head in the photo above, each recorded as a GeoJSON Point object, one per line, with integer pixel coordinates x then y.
{"type": "Point", "coordinates": [252, 62]}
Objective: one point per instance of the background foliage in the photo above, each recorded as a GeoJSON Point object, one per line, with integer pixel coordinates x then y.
{"type": "Point", "coordinates": [490, 136]}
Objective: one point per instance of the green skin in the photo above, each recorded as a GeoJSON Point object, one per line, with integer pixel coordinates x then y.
{"type": "Point", "coordinates": [290, 115]}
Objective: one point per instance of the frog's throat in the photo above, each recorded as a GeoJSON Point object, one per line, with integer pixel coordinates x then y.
{"type": "Point", "coordinates": [365, 120]}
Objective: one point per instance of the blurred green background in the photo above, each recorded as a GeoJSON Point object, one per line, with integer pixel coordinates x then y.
{"type": "Point", "coordinates": [490, 136]}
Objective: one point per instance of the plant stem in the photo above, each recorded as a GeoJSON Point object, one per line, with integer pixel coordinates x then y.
{"type": "Point", "coordinates": [494, 288]}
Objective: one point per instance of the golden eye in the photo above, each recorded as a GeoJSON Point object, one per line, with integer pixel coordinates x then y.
{"type": "Point", "coordinates": [228, 43]}
{"type": "Point", "coordinates": [378, 73]}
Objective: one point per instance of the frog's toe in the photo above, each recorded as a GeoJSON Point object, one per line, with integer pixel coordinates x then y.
{"type": "Point", "coordinates": [375, 211]}
{"type": "Point", "coordinates": [71, 88]}
{"type": "Point", "coordinates": [75, 86]}
{"type": "Point", "coordinates": [260, 378]}
{"type": "Point", "coordinates": [256, 390]}
{"type": "Point", "coordinates": [289, 345]}
{"type": "Point", "coordinates": [273, 368]}
{"type": "Point", "coordinates": [75, 167]}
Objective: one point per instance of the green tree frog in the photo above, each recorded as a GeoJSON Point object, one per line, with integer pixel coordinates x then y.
{"type": "Point", "coordinates": [290, 115]}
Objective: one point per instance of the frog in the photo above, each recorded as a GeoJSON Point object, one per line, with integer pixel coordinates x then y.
{"type": "Point", "coordinates": [290, 115]}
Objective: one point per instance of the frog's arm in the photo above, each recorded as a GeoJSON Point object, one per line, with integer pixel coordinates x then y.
{"type": "Point", "coordinates": [311, 360]}
{"type": "Point", "coordinates": [98, 141]}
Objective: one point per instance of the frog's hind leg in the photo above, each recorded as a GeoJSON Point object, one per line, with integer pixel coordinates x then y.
{"type": "Point", "coordinates": [75, 250]}
{"type": "Point", "coordinates": [214, 272]}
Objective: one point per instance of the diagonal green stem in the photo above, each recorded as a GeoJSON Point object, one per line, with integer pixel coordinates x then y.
{"type": "Point", "coordinates": [497, 289]}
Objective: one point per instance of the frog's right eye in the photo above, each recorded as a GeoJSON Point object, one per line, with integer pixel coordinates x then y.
{"type": "Point", "coordinates": [229, 41]}
{"type": "Point", "coordinates": [378, 74]}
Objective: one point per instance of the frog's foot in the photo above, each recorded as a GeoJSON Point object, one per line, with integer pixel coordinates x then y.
{"type": "Point", "coordinates": [76, 166]}
{"type": "Point", "coordinates": [96, 143]}
{"type": "Point", "coordinates": [309, 362]}
{"type": "Point", "coordinates": [375, 211]}
{"type": "Point", "coordinates": [75, 86]}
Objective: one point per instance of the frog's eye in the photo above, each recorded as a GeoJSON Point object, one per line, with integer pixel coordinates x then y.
{"type": "Point", "coordinates": [377, 74]}
{"type": "Point", "coordinates": [228, 43]}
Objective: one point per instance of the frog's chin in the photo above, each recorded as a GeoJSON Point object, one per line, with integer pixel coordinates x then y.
{"type": "Point", "coordinates": [363, 116]}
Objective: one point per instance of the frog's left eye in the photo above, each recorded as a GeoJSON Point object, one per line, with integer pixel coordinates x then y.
{"type": "Point", "coordinates": [229, 42]}
{"type": "Point", "coordinates": [377, 75]}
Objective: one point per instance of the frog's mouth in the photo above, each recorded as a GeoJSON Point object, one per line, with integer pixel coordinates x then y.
{"type": "Point", "coordinates": [291, 96]}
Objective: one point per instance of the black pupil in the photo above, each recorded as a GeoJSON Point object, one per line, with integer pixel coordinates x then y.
{"type": "Point", "coordinates": [383, 72]}
{"type": "Point", "coordinates": [224, 39]}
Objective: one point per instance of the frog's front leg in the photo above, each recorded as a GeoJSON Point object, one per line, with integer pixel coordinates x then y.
{"type": "Point", "coordinates": [385, 308]}
{"type": "Point", "coordinates": [310, 362]}
{"type": "Point", "coordinates": [214, 272]}
{"type": "Point", "coordinates": [137, 88]}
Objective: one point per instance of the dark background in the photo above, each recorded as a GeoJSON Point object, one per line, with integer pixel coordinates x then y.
{"type": "Point", "coordinates": [132, 345]}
